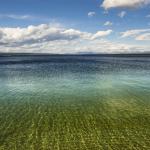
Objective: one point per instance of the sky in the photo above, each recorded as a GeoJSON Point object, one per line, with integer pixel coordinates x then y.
{"type": "Point", "coordinates": [75, 26]}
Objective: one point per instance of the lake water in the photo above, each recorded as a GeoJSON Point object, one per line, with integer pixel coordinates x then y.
{"type": "Point", "coordinates": [74, 102]}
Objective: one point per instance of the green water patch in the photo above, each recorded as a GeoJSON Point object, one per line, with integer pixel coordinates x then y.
{"type": "Point", "coordinates": [112, 120]}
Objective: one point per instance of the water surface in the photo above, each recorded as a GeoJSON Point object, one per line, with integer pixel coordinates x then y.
{"type": "Point", "coordinates": [74, 102]}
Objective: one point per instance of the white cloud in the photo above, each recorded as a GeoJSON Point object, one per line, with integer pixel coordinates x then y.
{"type": "Point", "coordinates": [108, 23]}
{"type": "Point", "coordinates": [91, 14]}
{"type": "Point", "coordinates": [100, 34]}
{"type": "Point", "coordinates": [35, 34]}
{"type": "Point", "coordinates": [44, 33]}
{"type": "Point", "coordinates": [138, 34]}
{"type": "Point", "coordinates": [133, 33]}
{"type": "Point", "coordinates": [27, 17]}
{"type": "Point", "coordinates": [46, 38]}
{"type": "Point", "coordinates": [107, 4]}
{"type": "Point", "coordinates": [122, 14]}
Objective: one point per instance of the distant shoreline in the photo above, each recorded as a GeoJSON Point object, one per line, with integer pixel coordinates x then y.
{"type": "Point", "coordinates": [100, 55]}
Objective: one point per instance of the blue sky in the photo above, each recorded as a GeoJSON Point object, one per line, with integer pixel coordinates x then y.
{"type": "Point", "coordinates": [89, 25]}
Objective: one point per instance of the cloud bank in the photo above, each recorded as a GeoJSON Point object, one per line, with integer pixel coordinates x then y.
{"type": "Point", "coordinates": [46, 38]}
{"type": "Point", "coordinates": [107, 4]}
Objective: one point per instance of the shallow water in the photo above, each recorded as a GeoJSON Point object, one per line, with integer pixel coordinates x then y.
{"type": "Point", "coordinates": [74, 102]}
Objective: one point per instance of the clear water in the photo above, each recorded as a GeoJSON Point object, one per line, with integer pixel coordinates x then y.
{"type": "Point", "coordinates": [74, 102]}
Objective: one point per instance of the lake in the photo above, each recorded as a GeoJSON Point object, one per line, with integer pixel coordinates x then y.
{"type": "Point", "coordinates": [74, 102]}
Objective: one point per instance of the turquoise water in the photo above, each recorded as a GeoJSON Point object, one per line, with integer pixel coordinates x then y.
{"type": "Point", "coordinates": [74, 102]}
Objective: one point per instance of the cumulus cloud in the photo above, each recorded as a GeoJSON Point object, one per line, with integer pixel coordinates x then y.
{"type": "Point", "coordinates": [108, 23]}
{"type": "Point", "coordinates": [122, 14]}
{"type": "Point", "coordinates": [35, 34]}
{"type": "Point", "coordinates": [107, 4]}
{"type": "Point", "coordinates": [91, 14]}
{"type": "Point", "coordinates": [44, 33]}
